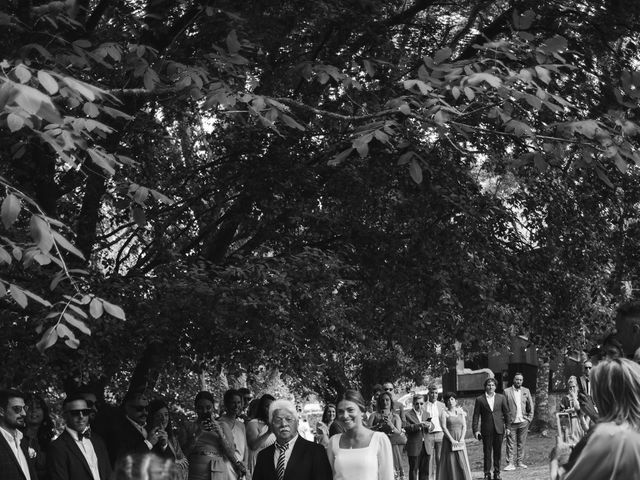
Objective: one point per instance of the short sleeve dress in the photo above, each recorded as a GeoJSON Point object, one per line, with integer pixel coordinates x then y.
{"type": "Point", "coordinates": [373, 462]}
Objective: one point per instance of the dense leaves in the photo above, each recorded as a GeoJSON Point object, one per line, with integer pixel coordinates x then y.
{"type": "Point", "coordinates": [314, 186]}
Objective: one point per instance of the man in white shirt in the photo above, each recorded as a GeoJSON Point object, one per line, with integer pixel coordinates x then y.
{"type": "Point", "coordinates": [434, 409]}
{"type": "Point", "coordinates": [78, 454]}
{"type": "Point", "coordinates": [291, 457]}
{"type": "Point", "coordinates": [15, 460]}
{"type": "Point", "coordinates": [521, 413]}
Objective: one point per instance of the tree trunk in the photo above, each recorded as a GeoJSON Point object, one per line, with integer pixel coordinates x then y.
{"type": "Point", "coordinates": [542, 420]}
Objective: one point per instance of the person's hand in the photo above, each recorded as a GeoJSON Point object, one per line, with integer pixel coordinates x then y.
{"type": "Point", "coordinates": [507, 431]}
{"type": "Point", "coordinates": [163, 438]}
{"type": "Point", "coordinates": [240, 469]}
{"type": "Point", "coordinates": [477, 435]}
{"type": "Point", "coordinates": [153, 436]}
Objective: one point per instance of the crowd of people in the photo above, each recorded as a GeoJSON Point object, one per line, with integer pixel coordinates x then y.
{"type": "Point", "coordinates": [268, 439]}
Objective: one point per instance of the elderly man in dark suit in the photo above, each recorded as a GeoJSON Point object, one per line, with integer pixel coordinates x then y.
{"type": "Point", "coordinates": [491, 422]}
{"type": "Point", "coordinates": [420, 445]}
{"type": "Point", "coordinates": [77, 454]}
{"type": "Point", "coordinates": [15, 459]}
{"type": "Point", "coordinates": [291, 457]}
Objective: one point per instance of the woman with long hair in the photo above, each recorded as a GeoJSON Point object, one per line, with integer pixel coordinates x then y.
{"type": "Point", "coordinates": [259, 436]}
{"type": "Point", "coordinates": [38, 432]}
{"type": "Point", "coordinates": [611, 450]}
{"type": "Point", "coordinates": [159, 417]}
{"type": "Point", "coordinates": [385, 420]}
{"type": "Point", "coordinates": [570, 404]}
{"type": "Point", "coordinates": [454, 462]}
{"type": "Point", "coordinates": [359, 453]}
{"type": "Point", "coordinates": [323, 426]}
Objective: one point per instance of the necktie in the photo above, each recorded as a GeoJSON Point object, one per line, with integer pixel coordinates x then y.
{"type": "Point", "coordinates": [85, 434]}
{"type": "Point", "coordinates": [280, 466]}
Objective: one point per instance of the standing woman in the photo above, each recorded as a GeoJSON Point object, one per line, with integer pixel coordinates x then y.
{"type": "Point", "coordinates": [358, 453]}
{"type": "Point", "coordinates": [570, 404]}
{"type": "Point", "coordinates": [38, 433]}
{"type": "Point", "coordinates": [323, 426]}
{"type": "Point", "coordinates": [159, 415]}
{"type": "Point", "coordinates": [259, 435]}
{"type": "Point", "coordinates": [386, 421]}
{"type": "Point", "coordinates": [454, 462]}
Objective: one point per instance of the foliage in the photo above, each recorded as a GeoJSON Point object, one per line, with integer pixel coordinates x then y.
{"type": "Point", "coordinates": [311, 186]}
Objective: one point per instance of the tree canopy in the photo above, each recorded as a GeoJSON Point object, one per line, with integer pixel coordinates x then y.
{"type": "Point", "coordinates": [313, 186]}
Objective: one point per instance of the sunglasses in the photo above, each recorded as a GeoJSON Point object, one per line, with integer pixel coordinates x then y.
{"type": "Point", "coordinates": [419, 403]}
{"type": "Point", "coordinates": [388, 389]}
{"type": "Point", "coordinates": [80, 412]}
{"type": "Point", "coordinates": [19, 408]}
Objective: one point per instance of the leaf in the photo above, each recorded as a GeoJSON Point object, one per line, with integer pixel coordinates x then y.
{"type": "Point", "coordinates": [90, 109]}
{"type": "Point", "coordinates": [80, 87]}
{"type": "Point", "coordinates": [36, 103]}
{"type": "Point", "coordinates": [10, 210]}
{"type": "Point", "coordinates": [621, 163]}
{"type": "Point", "coordinates": [404, 108]}
{"type": "Point", "coordinates": [405, 157]}
{"type": "Point", "coordinates": [37, 298]}
{"type": "Point", "coordinates": [48, 339]}
{"type": "Point", "coordinates": [114, 310]}
{"type": "Point", "coordinates": [18, 295]}
{"type": "Point", "coordinates": [603, 176]}
{"type": "Point", "coordinates": [5, 257]}
{"type": "Point", "coordinates": [41, 233]}
{"type": "Point", "coordinates": [415, 171]}
{"type": "Point", "coordinates": [48, 82]}
{"type": "Point", "coordinates": [233, 45]}
{"type": "Point", "coordinates": [369, 67]}
{"type": "Point", "coordinates": [15, 122]}
{"type": "Point", "coordinates": [543, 74]}
{"type": "Point", "coordinates": [23, 73]}
{"type": "Point", "coordinates": [442, 55]}
{"type": "Point", "coordinates": [160, 197]}
{"type": "Point", "coordinates": [95, 308]}
{"type": "Point", "coordinates": [556, 44]}
{"type": "Point", "coordinates": [3, 290]}
{"type": "Point", "coordinates": [77, 310]}
{"type": "Point", "coordinates": [67, 245]}
{"type": "Point", "coordinates": [339, 158]}
{"type": "Point", "coordinates": [477, 78]}
{"type": "Point", "coordinates": [75, 322]}
{"type": "Point", "coordinates": [101, 160]}
{"type": "Point", "coordinates": [291, 122]}
{"type": "Point", "coordinates": [469, 93]}
{"type": "Point", "coordinates": [524, 21]}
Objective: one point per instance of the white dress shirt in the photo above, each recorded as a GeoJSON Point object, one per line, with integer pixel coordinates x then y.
{"type": "Point", "coordinates": [14, 445]}
{"type": "Point", "coordinates": [434, 413]}
{"type": "Point", "coordinates": [287, 453]}
{"type": "Point", "coordinates": [517, 396]}
{"type": "Point", "coordinates": [89, 453]}
{"type": "Point", "coordinates": [491, 400]}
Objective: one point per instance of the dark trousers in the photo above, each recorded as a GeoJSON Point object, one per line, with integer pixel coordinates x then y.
{"type": "Point", "coordinates": [419, 466]}
{"type": "Point", "coordinates": [492, 443]}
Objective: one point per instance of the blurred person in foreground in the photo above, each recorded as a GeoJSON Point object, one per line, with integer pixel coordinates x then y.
{"type": "Point", "coordinates": [144, 467]}
{"type": "Point", "coordinates": [611, 449]}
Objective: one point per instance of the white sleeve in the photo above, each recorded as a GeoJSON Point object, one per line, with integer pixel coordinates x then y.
{"type": "Point", "coordinates": [385, 457]}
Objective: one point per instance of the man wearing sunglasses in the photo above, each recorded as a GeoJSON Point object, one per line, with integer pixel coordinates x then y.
{"type": "Point", "coordinates": [15, 461]}
{"type": "Point", "coordinates": [419, 449]}
{"type": "Point", "coordinates": [128, 433]}
{"type": "Point", "coordinates": [78, 454]}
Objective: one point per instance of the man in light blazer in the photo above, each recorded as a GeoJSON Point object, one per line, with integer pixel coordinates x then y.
{"type": "Point", "coordinates": [297, 458]}
{"type": "Point", "coordinates": [520, 405]}
{"type": "Point", "coordinates": [420, 445]}
{"type": "Point", "coordinates": [490, 423]}
{"type": "Point", "coordinates": [77, 454]}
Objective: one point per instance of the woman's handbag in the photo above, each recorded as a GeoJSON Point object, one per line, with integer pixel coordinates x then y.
{"type": "Point", "coordinates": [398, 438]}
{"type": "Point", "coordinates": [456, 446]}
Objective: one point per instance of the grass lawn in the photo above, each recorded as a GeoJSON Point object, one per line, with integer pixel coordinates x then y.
{"type": "Point", "coordinates": [536, 458]}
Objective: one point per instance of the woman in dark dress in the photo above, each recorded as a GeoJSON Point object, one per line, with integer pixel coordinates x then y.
{"type": "Point", "coordinates": [454, 462]}
{"type": "Point", "coordinates": [159, 417]}
{"type": "Point", "coordinates": [38, 433]}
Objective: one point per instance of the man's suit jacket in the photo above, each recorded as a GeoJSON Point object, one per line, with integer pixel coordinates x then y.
{"type": "Point", "coordinates": [308, 461]}
{"type": "Point", "coordinates": [122, 438]}
{"type": "Point", "coordinates": [417, 435]}
{"type": "Point", "coordinates": [65, 461]}
{"type": "Point", "coordinates": [9, 466]}
{"type": "Point", "coordinates": [484, 418]}
{"type": "Point", "coordinates": [582, 385]}
{"type": "Point", "coordinates": [526, 404]}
